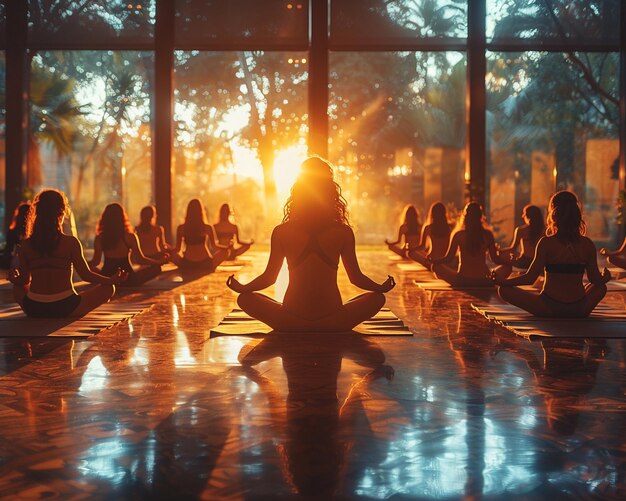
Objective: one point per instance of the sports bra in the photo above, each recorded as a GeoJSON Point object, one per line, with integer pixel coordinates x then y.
{"type": "Point", "coordinates": [225, 234]}
{"type": "Point", "coordinates": [573, 268]}
{"type": "Point", "coordinates": [313, 247]}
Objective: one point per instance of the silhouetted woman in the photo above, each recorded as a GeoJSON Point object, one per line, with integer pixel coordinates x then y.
{"type": "Point", "coordinates": [562, 256]}
{"type": "Point", "coordinates": [408, 233]}
{"type": "Point", "coordinates": [151, 236]}
{"type": "Point", "coordinates": [435, 238]}
{"type": "Point", "coordinates": [313, 236]}
{"type": "Point", "coordinates": [228, 233]}
{"type": "Point", "coordinates": [198, 237]}
{"type": "Point", "coordinates": [43, 282]}
{"type": "Point", "coordinates": [472, 241]}
{"type": "Point", "coordinates": [525, 237]}
{"type": "Point", "coordinates": [116, 240]}
{"type": "Point", "coordinates": [15, 235]}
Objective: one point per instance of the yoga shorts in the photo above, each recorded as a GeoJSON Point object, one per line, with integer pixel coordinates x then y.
{"type": "Point", "coordinates": [575, 309]}
{"type": "Point", "coordinates": [54, 309]}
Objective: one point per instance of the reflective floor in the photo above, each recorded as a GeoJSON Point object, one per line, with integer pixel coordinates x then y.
{"type": "Point", "coordinates": [461, 410]}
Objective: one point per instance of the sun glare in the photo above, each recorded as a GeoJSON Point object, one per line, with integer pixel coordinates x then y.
{"type": "Point", "coordinates": [287, 168]}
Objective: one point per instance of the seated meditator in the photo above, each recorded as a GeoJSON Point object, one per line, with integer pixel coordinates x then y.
{"type": "Point", "coordinates": [115, 239]}
{"type": "Point", "coordinates": [43, 284]}
{"type": "Point", "coordinates": [525, 238]}
{"type": "Point", "coordinates": [435, 238]}
{"type": "Point", "coordinates": [195, 238]}
{"type": "Point", "coordinates": [151, 236]}
{"type": "Point", "coordinates": [563, 256]}
{"type": "Point", "coordinates": [228, 233]}
{"type": "Point", "coordinates": [408, 233]}
{"type": "Point", "coordinates": [15, 236]}
{"type": "Point", "coordinates": [313, 236]}
{"type": "Point", "coordinates": [473, 241]}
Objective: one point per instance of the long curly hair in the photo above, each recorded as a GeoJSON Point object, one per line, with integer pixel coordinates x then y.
{"type": "Point", "coordinates": [438, 220]}
{"type": "Point", "coordinates": [535, 222]}
{"type": "Point", "coordinates": [315, 197]}
{"type": "Point", "coordinates": [113, 225]}
{"type": "Point", "coordinates": [195, 218]}
{"type": "Point", "coordinates": [565, 219]}
{"type": "Point", "coordinates": [45, 217]}
{"type": "Point", "coordinates": [473, 222]}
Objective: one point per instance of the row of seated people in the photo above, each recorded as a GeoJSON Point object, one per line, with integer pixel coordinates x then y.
{"type": "Point", "coordinates": [42, 268]}
{"type": "Point", "coordinates": [559, 251]}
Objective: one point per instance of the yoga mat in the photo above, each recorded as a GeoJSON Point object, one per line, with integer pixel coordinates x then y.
{"type": "Point", "coordinates": [616, 286]}
{"type": "Point", "coordinates": [410, 266]}
{"type": "Point", "coordinates": [441, 285]}
{"type": "Point", "coordinates": [238, 323]}
{"type": "Point", "coordinates": [230, 267]}
{"type": "Point", "coordinates": [604, 322]}
{"type": "Point", "coordinates": [13, 322]}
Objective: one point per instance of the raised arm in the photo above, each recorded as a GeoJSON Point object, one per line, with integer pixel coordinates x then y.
{"type": "Point", "coordinates": [351, 264]}
{"type": "Point", "coordinates": [237, 237]}
{"type": "Point", "coordinates": [268, 277]}
{"type": "Point", "coordinates": [97, 253]}
{"type": "Point", "coordinates": [515, 243]}
{"type": "Point", "coordinates": [135, 246]}
{"type": "Point", "coordinates": [593, 273]}
{"type": "Point", "coordinates": [534, 270]}
{"type": "Point", "coordinates": [424, 237]}
{"type": "Point", "coordinates": [83, 269]}
{"type": "Point", "coordinates": [397, 241]}
{"type": "Point", "coordinates": [213, 241]}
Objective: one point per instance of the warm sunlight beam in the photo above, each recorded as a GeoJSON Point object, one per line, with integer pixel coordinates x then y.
{"type": "Point", "coordinates": [287, 168]}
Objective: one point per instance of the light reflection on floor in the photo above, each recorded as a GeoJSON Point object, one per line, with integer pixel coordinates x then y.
{"type": "Point", "coordinates": [156, 409]}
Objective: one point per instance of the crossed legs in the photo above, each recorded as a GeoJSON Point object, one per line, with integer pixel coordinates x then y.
{"type": "Point", "coordinates": [348, 316]}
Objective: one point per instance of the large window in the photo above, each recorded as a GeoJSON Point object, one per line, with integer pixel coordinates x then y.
{"type": "Point", "coordinates": [553, 122]}
{"type": "Point", "coordinates": [90, 130]}
{"type": "Point", "coordinates": [241, 128]}
{"type": "Point", "coordinates": [397, 140]}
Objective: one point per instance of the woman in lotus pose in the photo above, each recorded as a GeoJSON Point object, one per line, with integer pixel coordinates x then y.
{"type": "Point", "coordinates": [472, 241]}
{"type": "Point", "coordinates": [228, 232]}
{"type": "Point", "coordinates": [195, 233]}
{"type": "Point", "coordinates": [151, 236]}
{"type": "Point", "coordinates": [408, 233]}
{"type": "Point", "coordinates": [525, 237]}
{"type": "Point", "coordinates": [435, 238]}
{"type": "Point", "coordinates": [562, 256]}
{"type": "Point", "coordinates": [15, 235]}
{"type": "Point", "coordinates": [116, 240]}
{"type": "Point", "coordinates": [313, 237]}
{"type": "Point", "coordinates": [43, 284]}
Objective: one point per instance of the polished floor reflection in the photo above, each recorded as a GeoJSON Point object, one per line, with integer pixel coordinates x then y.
{"type": "Point", "coordinates": [154, 409]}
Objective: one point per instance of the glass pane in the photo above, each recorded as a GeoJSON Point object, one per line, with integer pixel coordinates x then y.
{"type": "Point", "coordinates": [92, 21]}
{"type": "Point", "coordinates": [241, 129]}
{"type": "Point", "coordinates": [397, 140]}
{"type": "Point", "coordinates": [3, 24]}
{"type": "Point", "coordinates": [396, 20]}
{"type": "Point", "coordinates": [90, 130]}
{"type": "Point", "coordinates": [562, 20]}
{"type": "Point", "coordinates": [552, 123]}
{"type": "Point", "coordinates": [240, 21]}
